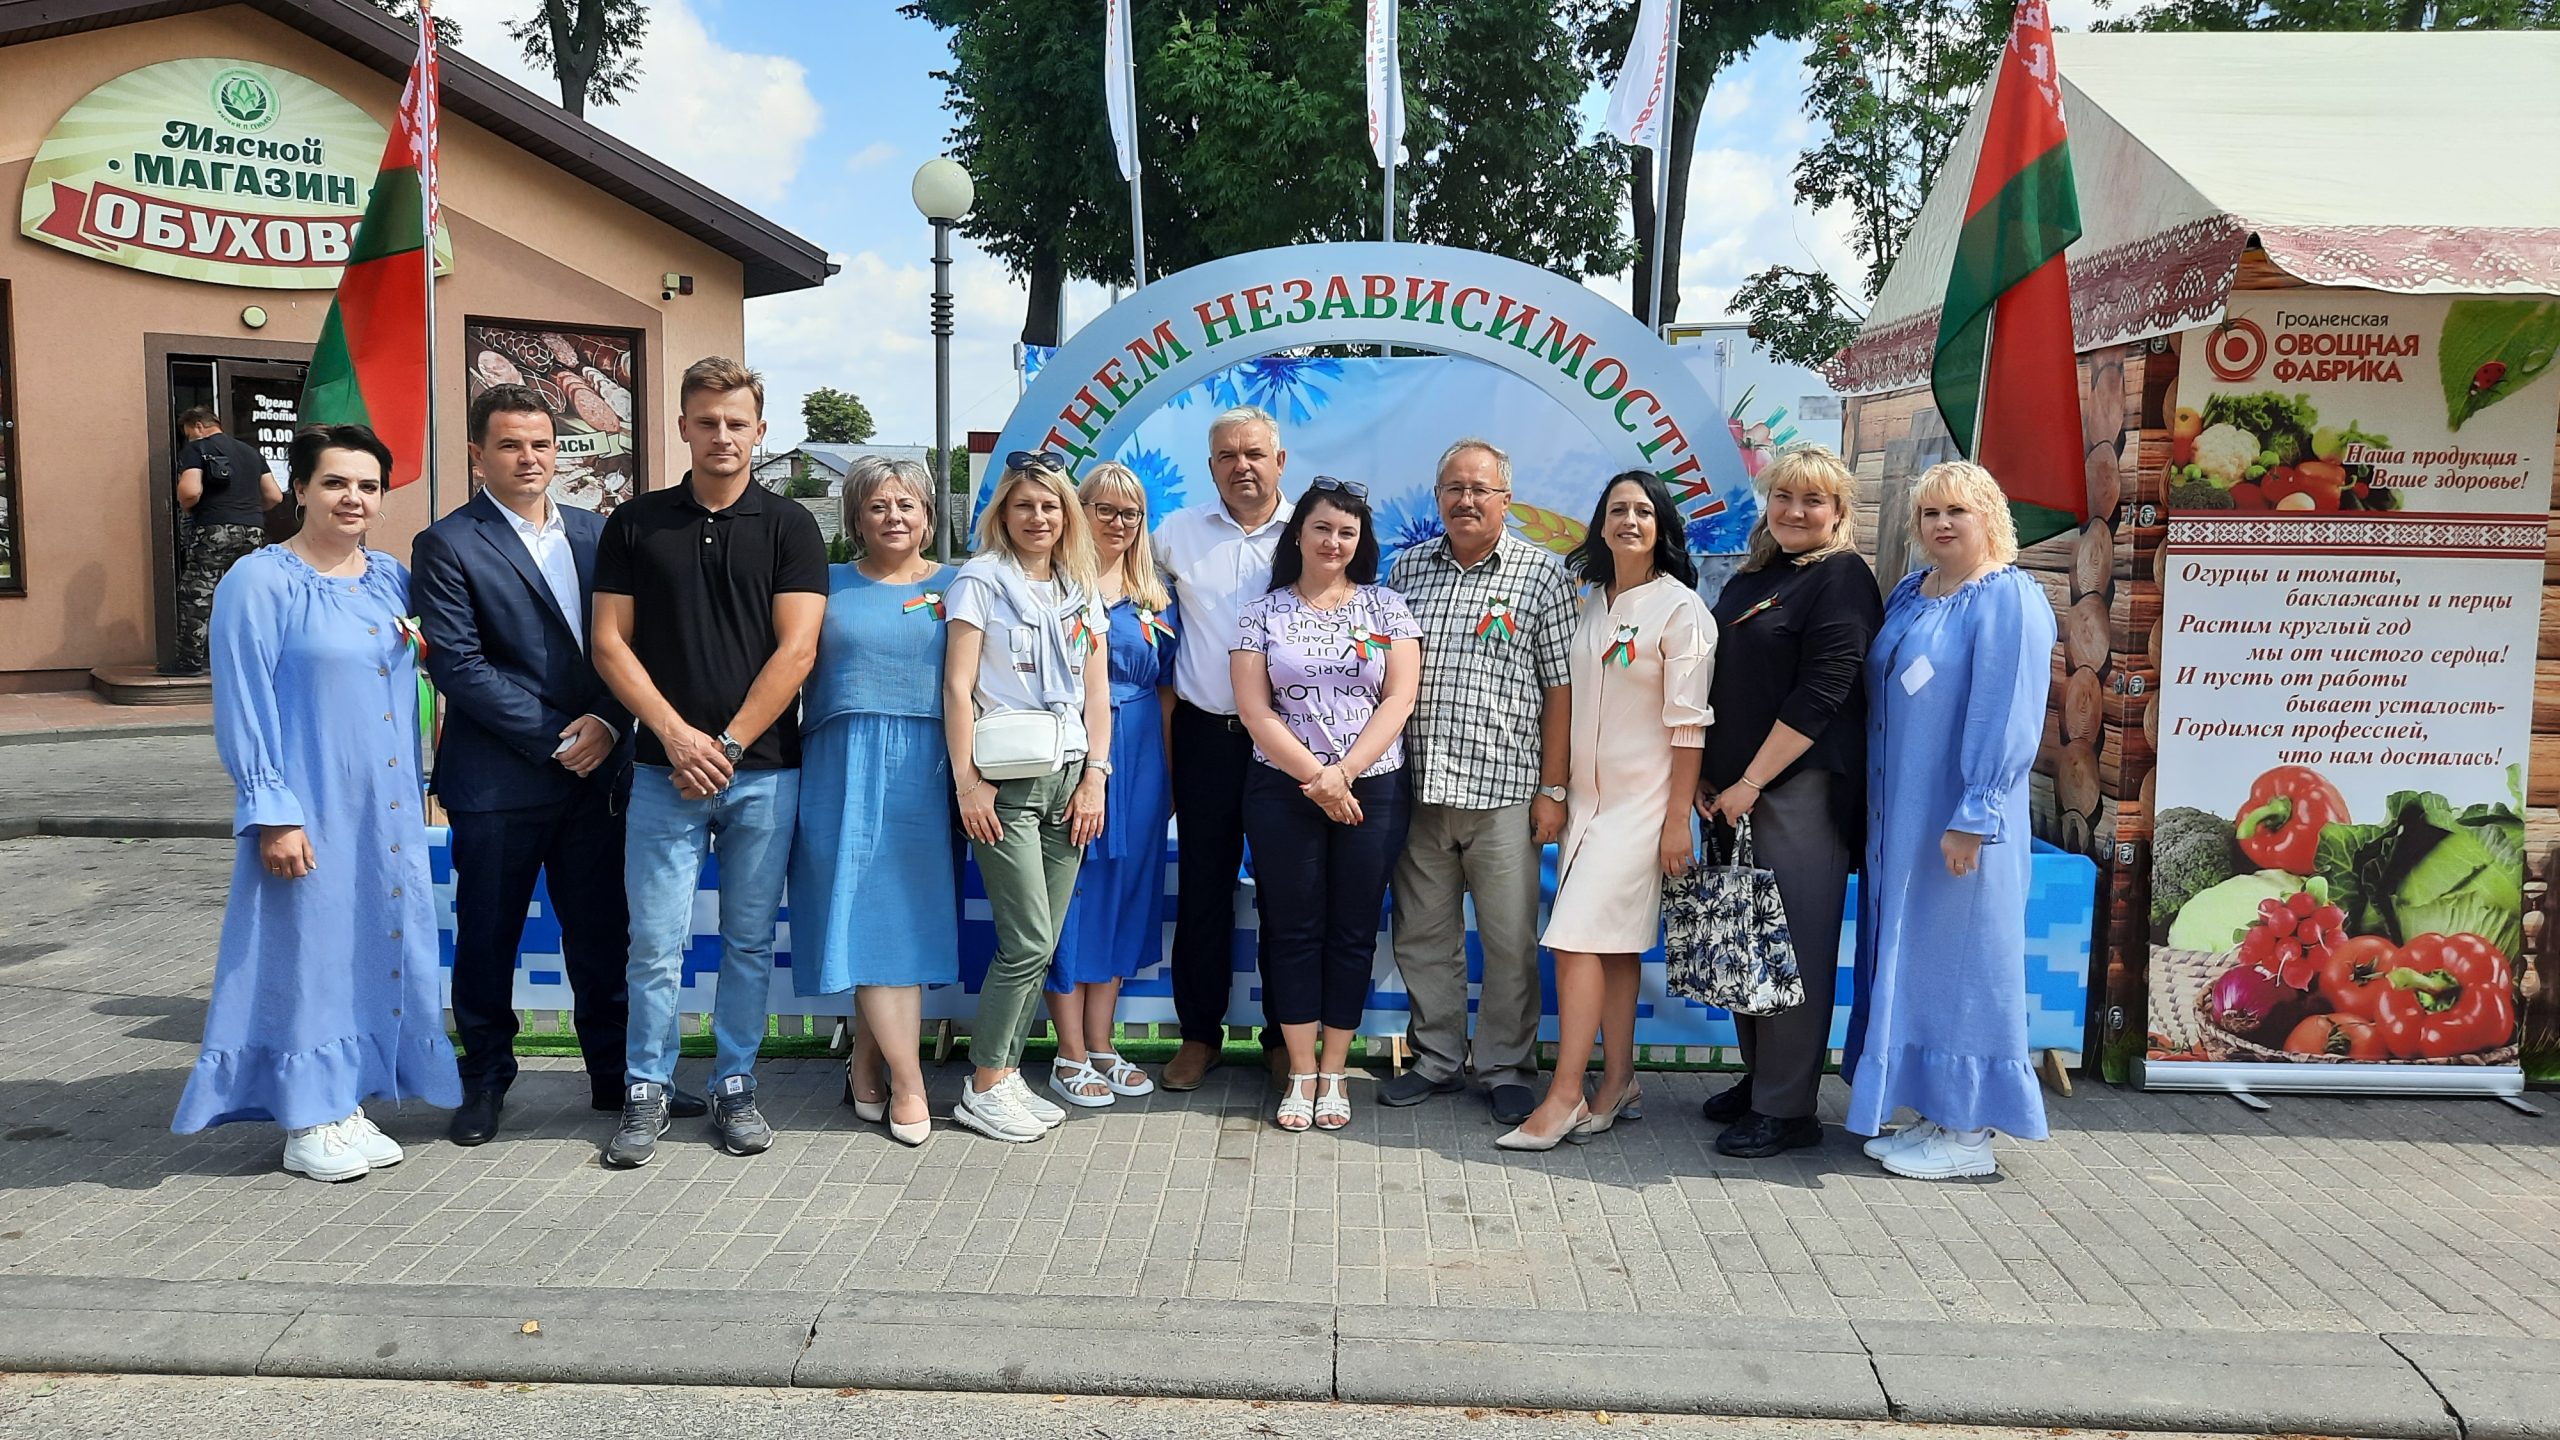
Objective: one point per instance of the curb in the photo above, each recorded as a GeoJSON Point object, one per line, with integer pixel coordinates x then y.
{"type": "Point", "coordinates": [146, 729]}
{"type": "Point", "coordinates": [111, 827]}
{"type": "Point", "coordinates": [2396, 1387]}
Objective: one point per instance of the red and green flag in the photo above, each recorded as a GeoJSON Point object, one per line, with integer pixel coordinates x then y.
{"type": "Point", "coordinates": [2005, 375]}
{"type": "Point", "coordinates": [371, 364]}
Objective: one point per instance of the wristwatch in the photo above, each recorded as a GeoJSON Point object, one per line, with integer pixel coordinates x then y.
{"type": "Point", "coordinates": [1551, 792]}
{"type": "Point", "coordinates": [729, 748]}
{"type": "Point", "coordinates": [1095, 764]}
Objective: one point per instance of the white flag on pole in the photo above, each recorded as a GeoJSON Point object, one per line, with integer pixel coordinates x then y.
{"type": "Point", "coordinates": [1386, 85]}
{"type": "Point", "coordinates": [1639, 102]}
{"type": "Point", "coordinates": [1120, 86]}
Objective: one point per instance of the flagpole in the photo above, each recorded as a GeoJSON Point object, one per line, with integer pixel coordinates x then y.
{"type": "Point", "coordinates": [427, 212]}
{"type": "Point", "coordinates": [1137, 202]}
{"type": "Point", "coordinates": [1387, 220]}
{"type": "Point", "coordinates": [1662, 158]}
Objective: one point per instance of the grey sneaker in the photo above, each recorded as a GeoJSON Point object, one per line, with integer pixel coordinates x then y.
{"type": "Point", "coordinates": [644, 1119]}
{"type": "Point", "coordinates": [735, 1120]}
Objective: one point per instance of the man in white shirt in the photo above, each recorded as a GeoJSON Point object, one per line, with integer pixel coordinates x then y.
{"type": "Point", "coordinates": [1216, 557]}
{"type": "Point", "coordinates": [534, 755]}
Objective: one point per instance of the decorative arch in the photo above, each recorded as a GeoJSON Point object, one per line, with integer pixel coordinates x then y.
{"type": "Point", "coordinates": [1600, 363]}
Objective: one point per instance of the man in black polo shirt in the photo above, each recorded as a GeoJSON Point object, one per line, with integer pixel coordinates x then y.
{"type": "Point", "coordinates": [708, 597]}
{"type": "Point", "coordinates": [225, 491]}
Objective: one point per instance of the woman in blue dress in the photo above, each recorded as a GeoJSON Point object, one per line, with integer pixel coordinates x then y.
{"type": "Point", "coordinates": [325, 988]}
{"type": "Point", "coordinates": [875, 885]}
{"type": "Point", "coordinates": [1959, 669]}
{"type": "Point", "coordinates": [1115, 926]}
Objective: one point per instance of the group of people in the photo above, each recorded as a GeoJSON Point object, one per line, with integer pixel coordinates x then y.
{"type": "Point", "coordinates": [623, 696]}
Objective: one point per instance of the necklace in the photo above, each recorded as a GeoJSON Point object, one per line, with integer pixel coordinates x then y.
{"type": "Point", "coordinates": [1938, 587]}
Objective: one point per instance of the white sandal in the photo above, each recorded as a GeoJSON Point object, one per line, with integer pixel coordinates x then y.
{"type": "Point", "coordinates": [1068, 1077]}
{"type": "Point", "coordinates": [1333, 1101]}
{"type": "Point", "coordinates": [1123, 1077]}
{"type": "Point", "coordinates": [1296, 1107]}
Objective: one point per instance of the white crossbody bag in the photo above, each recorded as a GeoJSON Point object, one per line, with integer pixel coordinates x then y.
{"type": "Point", "coordinates": [1024, 744]}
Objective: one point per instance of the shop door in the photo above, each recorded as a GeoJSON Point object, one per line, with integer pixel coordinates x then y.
{"type": "Point", "coordinates": [258, 402]}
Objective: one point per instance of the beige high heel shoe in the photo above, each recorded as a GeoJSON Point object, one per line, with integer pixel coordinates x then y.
{"type": "Point", "coordinates": [1630, 1106]}
{"type": "Point", "coordinates": [1521, 1139]}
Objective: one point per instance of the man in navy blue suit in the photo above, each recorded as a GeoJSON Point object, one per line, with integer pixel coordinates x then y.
{"type": "Point", "coordinates": [534, 761]}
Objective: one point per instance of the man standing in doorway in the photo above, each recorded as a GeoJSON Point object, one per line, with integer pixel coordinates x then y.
{"type": "Point", "coordinates": [534, 757]}
{"type": "Point", "coordinates": [708, 600]}
{"type": "Point", "coordinates": [1216, 557]}
{"type": "Point", "coordinates": [1487, 748]}
{"type": "Point", "coordinates": [225, 491]}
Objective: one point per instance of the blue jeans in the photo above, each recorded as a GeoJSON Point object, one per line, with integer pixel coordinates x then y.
{"type": "Point", "coordinates": [751, 822]}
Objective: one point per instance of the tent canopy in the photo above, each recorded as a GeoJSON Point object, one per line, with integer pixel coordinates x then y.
{"type": "Point", "coordinates": [2419, 163]}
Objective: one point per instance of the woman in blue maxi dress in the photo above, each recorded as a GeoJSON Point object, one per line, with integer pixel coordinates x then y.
{"type": "Point", "coordinates": [1960, 669]}
{"type": "Point", "coordinates": [1115, 925]}
{"type": "Point", "coordinates": [875, 879]}
{"type": "Point", "coordinates": [325, 989]}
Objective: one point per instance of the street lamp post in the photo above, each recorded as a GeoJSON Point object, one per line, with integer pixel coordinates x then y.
{"type": "Point", "coordinates": [943, 192]}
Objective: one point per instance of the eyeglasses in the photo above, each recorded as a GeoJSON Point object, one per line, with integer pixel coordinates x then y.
{"type": "Point", "coordinates": [1116, 514]}
{"type": "Point", "coordinates": [1352, 488]}
{"type": "Point", "coordinates": [1471, 494]}
{"type": "Point", "coordinates": [1036, 460]}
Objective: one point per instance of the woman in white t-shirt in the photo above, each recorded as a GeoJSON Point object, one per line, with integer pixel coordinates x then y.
{"type": "Point", "coordinates": [1025, 694]}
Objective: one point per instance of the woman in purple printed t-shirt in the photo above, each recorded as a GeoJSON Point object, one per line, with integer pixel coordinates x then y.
{"type": "Point", "coordinates": [1325, 665]}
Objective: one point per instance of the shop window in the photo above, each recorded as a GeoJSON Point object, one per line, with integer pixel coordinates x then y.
{"type": "Point", "coordinates": [13, 550]}
{"type": "Point", "coordinates": [591, 380]}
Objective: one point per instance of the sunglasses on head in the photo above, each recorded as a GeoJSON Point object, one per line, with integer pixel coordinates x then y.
{"type": "Point", "coordinates": [1352, 488]}
{"type": "Point", "coordinates": [1049, 460]}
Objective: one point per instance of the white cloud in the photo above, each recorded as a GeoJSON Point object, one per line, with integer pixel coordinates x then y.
{"type": "Point", "coordinates": [736, 121]}
{"type": "Point", "coordinates": [1729, 99]}
{"type": "Point", "coordinates": [878, 152]}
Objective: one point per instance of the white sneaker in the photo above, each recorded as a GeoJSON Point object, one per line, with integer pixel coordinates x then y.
{"type": "Point", "coordinates": [325, 1152]}
{"type": "Point", "coordinates": [1049, 1116]}
{"type": "Point", "coordinates": [995, 1114]}
{"type": "Point", "coordinates": [1902, 1139]}
{"type": "Point", "coordinates": [379, 1150]}
{"type": "Point", "coordinates": [1944, 1155]}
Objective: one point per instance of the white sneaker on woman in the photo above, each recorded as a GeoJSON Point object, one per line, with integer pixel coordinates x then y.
{"type": "Point", "coordinates": [1902, 1139]}
{"type": "Point", "coordinates": [996, 1114]}
{"type": "Point", "coordinates": [379, 1150]}
{"type": "Point", "coordinates": [1944, 1154]}
{"type": "Point", "coordinates": [326, 1152]}
{"type": "Point", "coordinates": [1049, 1116]}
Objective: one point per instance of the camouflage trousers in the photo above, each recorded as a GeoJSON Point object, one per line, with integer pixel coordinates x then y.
{"type": "Point", "coordinates": [211, 551]}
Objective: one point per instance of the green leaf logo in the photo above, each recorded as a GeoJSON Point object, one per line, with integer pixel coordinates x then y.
{"type": "Point", "coordinates": [245, 99]}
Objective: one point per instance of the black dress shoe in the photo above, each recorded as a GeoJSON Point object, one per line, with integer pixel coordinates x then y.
{"type": "Point", "coordinates": [1513, 1103]}
{"type": "Point", "coordinates": [1757, 1137]}
{"type": "Point", "coordinates": [1729, 1104]}
{"type": "Point", "coordinates": [681, 1104]}
{"type": "Point", "coordinates": [476, 1123]}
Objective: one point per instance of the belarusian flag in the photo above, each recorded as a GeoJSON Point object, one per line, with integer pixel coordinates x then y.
{"type": "Point", "coordinates": [371, 365]}
{"type": "Point", "coordinates": [2005, 376]}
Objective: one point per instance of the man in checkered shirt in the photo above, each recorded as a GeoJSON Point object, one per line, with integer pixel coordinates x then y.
{"type": "Point", "coordinates": [1486, 746]}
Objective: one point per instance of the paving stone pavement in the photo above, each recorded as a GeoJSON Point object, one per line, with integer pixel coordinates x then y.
{"type": "Point", "coordinates": [159, 784]}
{"type": "Point", "coordinates": [2155, 1211]}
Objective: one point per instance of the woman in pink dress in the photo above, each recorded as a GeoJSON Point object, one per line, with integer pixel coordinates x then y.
{"type": "Point", "coordinates": [1643, 660]}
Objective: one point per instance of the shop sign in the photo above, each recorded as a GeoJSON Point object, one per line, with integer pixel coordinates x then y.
{"type": "Point", "coordinates": [223, 171]}
{"type": "Point", "coordinates": [1605, 367]}
{"type": "Point", "coordinates": [2351, 600]}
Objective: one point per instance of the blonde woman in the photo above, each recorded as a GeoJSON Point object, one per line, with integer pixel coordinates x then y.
{"type": "Point", "coordinates": [1789, 751]}
{"type": "Point", "coordinates": [1956, 684]}
{"type": "Point", "coordinates": [1025, 630]}
{"type": "Point", "coordinates": [1115, 928]}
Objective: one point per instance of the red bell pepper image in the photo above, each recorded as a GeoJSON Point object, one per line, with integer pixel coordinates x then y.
{"type": "Point", "coordinates": [2357, 975]}
{"type": "Point", "coordinates": [2450, 995]}
{"type": "Point", "coordinates": [2279, 829]}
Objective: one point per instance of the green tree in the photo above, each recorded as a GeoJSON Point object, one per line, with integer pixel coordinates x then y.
{"type": "Point", "coordinates": [1712, 36]}
{"type": "Point", "coordinates": [807, 485]}
{"type": "Point", "coordinates": [448, 32]}
{"type": "Point", "coordinates": [1891, 85]}
{"type": "Point", "coordinates": [2334, 15]}
{"type": "Point", "coordinates": [836, 417]}
{"type": "Point", "coordinates": [592, 47]}
{"type": "Point", "coordinates": [1252, 132]}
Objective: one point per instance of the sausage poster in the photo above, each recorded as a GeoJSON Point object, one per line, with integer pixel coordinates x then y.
{"type": "Point", "coordinates": [2351, 602]}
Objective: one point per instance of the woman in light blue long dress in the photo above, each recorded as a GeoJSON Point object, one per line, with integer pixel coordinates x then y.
{"type": "Point", "coordinates": [875, 882]}
{"type": "Point", "coordinates": [325, 988]}
{"type": "Point", "coordinates": [1115, 924]}
{"type": "Point", "coordinates": [1959, 669]}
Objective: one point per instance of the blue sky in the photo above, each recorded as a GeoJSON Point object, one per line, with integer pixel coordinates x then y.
{"type": "Point", "coordinates": [817, 112]}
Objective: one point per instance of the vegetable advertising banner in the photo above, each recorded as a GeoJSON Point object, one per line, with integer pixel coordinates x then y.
{"type": "Point", "coordinates": [2351, 600]}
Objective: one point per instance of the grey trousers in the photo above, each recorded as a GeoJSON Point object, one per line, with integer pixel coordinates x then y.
{"type": "Point", "coordinates": [1792, 835]}
{"type": "Point", "coordinates": [1450, 855]}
